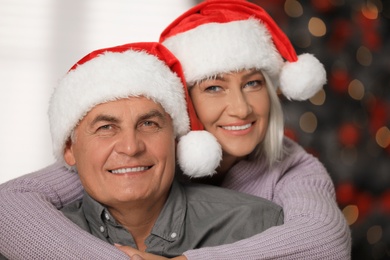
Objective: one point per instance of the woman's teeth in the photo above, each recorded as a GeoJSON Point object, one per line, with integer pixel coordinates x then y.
{"type": "Point", "coordinates": [235, 128]}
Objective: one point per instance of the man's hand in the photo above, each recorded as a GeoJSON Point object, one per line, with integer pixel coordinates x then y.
{"type": "Point", "coordinates": [138, 255]}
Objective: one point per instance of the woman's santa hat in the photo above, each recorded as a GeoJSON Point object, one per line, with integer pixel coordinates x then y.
{"type": "Point", "coordinates": [218, 36]}
{"type": "Point", "coordinates": [137, 69]}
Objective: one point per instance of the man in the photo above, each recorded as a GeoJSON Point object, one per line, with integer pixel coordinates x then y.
{"type": "Point", "coordinates": [115, 118]}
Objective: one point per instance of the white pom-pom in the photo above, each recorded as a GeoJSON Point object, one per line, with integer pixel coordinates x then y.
{"type": "Point", "coordinates": [302, 79]}
{"type": "Point", "coordinates": [198, 154]}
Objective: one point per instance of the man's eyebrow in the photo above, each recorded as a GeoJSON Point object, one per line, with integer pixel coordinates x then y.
{"type": "Point", "coordinates": [151, 114]}
{"type": "Point", "coordinates": [105, 118]}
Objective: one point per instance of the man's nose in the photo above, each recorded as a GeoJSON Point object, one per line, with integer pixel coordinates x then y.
{"type": "Point", "coordinates": [129, 143]}
{"type": "Point", "coordinates": [238, 105]}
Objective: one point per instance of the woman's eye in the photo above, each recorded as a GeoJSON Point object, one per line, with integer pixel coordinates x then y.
{"type": "Point", "coordinates": [255, 84]}
{"type": "Point", "coordinates": [212, 89]}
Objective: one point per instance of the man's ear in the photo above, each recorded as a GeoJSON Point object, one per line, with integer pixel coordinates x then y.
{"type": "Point", "coordinates": [68, 153]}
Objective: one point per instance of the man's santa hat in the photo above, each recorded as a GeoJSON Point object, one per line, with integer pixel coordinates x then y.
{"type": "Point", "coordinates": [137, 69]}
{"type": "Point", "coordinates": [219, 36]}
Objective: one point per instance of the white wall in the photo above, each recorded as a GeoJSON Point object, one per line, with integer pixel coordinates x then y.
{"type": "Point", "coordinates": [39, 41]}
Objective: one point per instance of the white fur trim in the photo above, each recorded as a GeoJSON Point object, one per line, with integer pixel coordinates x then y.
{"type": "Point", "coordinates": [302, 79]}
{"type": "Point", "coordinates": [112, 76]}
{"type": "Point", "coordinates": [198, 154]}
{"type": "Point", "coordinates": [215, 48]}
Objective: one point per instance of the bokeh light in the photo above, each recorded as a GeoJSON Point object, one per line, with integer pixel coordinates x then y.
{"type": "Point", "coordinates": [351, 214]}
{"type": "Point", "coordinates": [293, 8]}
{"type": "Point", "coordinates": [356, 89]}
{"type": "Point", "coordinates": [319, 98]}
{"type": "Point", "coordinates": [374, 234]}
{"type": "Point", "coordinates": [364, 56]}
{"type": "Point", "coordinates": [382, 137]}
{"type": "Point", "coordinates": [317, 27]}
{"type": "Point", "coordinates": [370, 10]}
{"type": "Point", "coordinates": [308, 122]}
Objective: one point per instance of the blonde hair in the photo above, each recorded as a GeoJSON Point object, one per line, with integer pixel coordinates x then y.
{"type": "Point", "coordinates": [271, 148]}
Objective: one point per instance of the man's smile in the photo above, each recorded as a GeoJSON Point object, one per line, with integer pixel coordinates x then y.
{"type": "Point", "coordinates": [130, 169]}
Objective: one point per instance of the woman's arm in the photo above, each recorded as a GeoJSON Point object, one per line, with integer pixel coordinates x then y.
{"type": "Point", "coordinates": [33, 228]}
{"type": "Point", "coordinates": [314, 226]}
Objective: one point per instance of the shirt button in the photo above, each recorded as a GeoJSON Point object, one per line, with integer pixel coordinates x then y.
{"type": "Point", "coordinates": [106, 216]}
{"type": "Point", "coordinates": [101, 229]}
{"type": "Point", "coordinates": [173, 235]}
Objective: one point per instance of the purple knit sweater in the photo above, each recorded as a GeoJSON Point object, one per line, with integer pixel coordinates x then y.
{"type": "Point", "coordinates": [314, 226]}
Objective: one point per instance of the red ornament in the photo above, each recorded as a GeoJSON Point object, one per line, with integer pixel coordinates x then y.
{"type": "Point", "coordinates": [379, 114]}
{"type": "Point", "coordinates": [290, 133]}
{"type": "Point", "coordinates": [369, 29]}
{"type": "Point", "coordinates": [349, 135]}
{"type": "Point", "coordinates": [339, 81]}
{"type": "Point", "coordinates": [385, 202]}
{"type": "Point", "coordinates": [341, 31]}
{"type": "Point", "coordinates": [322, 6]}
{"type": "Point", "coordinates": [364, 203]}
{"type": "Point", "coordinates": [345, 193]}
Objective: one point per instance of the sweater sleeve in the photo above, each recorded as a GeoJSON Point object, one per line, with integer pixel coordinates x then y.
{"type": "Point", "coordinates": [33, 228]}
{"type": "Point", "coordinates": [314, 227]}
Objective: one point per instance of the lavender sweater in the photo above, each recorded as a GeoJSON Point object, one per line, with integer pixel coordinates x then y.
{"type": "Point", "coordinates": [314, 226]}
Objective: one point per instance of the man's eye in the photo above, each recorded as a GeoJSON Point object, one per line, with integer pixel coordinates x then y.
{"type": "Point", "coordinates": [106, 130]}
{"type": "Point", "coordinates": [149, 123]}
{"type": "Point", "coordinates": [105, 127]}
{"type": "Point", "coordinates": [149, 126]}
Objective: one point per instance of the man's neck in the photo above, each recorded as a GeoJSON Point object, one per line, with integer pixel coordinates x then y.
{"type": "Point", "coordinates": [138, 219]}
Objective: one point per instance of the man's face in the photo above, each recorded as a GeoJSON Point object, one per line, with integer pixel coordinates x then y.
{"type": "Point", "coordinates": [124, 152]}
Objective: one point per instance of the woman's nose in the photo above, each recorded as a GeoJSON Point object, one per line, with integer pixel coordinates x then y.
{"type": "Point", "coordinates": [238, 105]}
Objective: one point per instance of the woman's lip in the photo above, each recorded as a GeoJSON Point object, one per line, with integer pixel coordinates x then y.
{"type": "Point", "coordinates": [238, 129]}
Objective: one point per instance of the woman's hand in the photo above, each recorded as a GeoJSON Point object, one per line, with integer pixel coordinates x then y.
{"type": "Point", "coordinates": [138, 255]}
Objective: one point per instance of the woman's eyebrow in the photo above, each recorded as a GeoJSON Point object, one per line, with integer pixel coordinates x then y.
{"type": "Point", "coordinates": [252, 73]}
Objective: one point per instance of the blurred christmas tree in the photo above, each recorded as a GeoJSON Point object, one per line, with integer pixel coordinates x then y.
{"type": "Point", "coordinates": [347, 125]}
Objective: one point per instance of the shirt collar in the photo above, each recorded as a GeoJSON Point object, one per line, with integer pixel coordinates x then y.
{"type": "Point", "coordinates": [169, 225]}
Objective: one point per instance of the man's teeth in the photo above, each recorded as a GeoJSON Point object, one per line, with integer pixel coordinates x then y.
{"type": "Point", "coordinates": [126, 170]}
{"type": "Point", "coordinates": [236, 127]}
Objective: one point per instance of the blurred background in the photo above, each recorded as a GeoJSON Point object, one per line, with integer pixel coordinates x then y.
{"type": "Point", "coordinates": [347, 125]}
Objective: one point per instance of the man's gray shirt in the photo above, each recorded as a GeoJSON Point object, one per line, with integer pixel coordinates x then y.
{"type": "Point", "coordinates": [194, 216]}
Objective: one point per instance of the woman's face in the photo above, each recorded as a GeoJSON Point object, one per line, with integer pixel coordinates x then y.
{"type": "Point", "coordinates": [235, 108]}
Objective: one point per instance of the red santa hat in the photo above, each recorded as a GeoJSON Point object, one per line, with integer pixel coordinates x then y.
{"type": "Point", "coordinates": [218, 36]}
{"type": "Point", "coordinates": [137, 69]}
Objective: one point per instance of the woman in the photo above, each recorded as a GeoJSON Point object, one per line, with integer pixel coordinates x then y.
{"type": "Point", "coordinates": [233, 93]}
{"type": "Point", "coordinates": [232, 56]}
